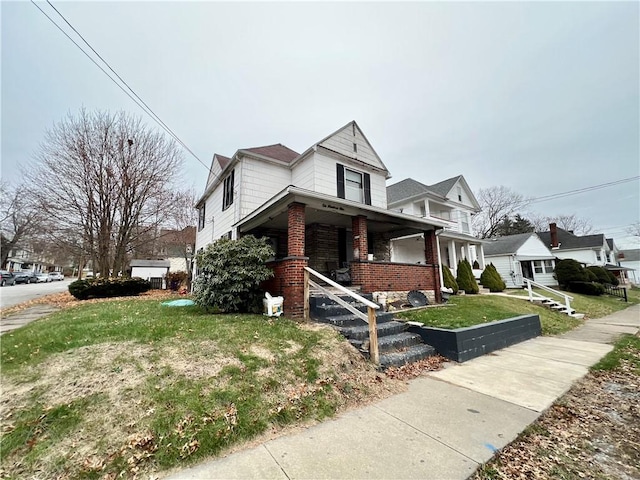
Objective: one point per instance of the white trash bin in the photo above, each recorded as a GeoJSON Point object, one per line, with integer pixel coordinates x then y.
{"type": "Point", "coordinates": [272, 306]}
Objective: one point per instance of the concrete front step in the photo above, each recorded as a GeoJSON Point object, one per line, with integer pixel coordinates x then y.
{"type": "Point", "coordinates": [388, 343]}
{"type": "Point", "coordinates": [412, 354]}
{"type": "Point", "coordinates": [361, 332]}
{"type": "Point", "coordinates": [350, 320]}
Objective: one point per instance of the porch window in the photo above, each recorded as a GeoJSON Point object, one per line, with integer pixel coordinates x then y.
{"type": "Point", "coordinates": [537, 266]}
{"type": "Point", "coordinates": [201, 216]}
{"type": "Point", "coordinates": [227, 198]}
{"type": "Point", "coordinates": [353, 185]}
{"type": "Point", "coordinates": [464, 220]}
{"type": "Point", "coordinates": [549, 266]}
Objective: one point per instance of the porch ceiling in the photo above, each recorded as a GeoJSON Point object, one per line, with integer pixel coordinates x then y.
{"type": "Point", "coordinates": [327, 210]}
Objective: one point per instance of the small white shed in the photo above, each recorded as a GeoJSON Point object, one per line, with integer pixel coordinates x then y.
{"type": "Point", "coordinates": [153, 270]}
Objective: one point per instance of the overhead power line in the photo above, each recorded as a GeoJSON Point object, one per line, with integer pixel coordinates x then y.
{"type": "Point", "coordinates": [133, 95]}
{"type": "Point", "coordinates": [555, 196]}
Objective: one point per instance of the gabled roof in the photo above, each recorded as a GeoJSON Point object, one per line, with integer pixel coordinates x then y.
{"type": "Point", "coordinates": [569, 241]}
{"type": "Point", "coordinates": [508, 245]}
{"type": "Point", "coordinates": [276, 151]}
{"type": "Point", "coordinates": [222, 160]}
{"type": "Point", "coordinates": [406, 188]}
{"type": "Point", "coordinates": [409, 188]}
{"type": "Point", "coordinates": [445, 186]}
{"type": "Point", "coordinates": [150, 263]}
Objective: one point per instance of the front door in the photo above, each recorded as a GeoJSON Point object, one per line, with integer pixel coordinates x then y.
{"type": "Point", "coordinates": [527, 270]}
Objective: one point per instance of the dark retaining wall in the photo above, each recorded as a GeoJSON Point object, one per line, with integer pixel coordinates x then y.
{"type": "Point", "coordinates": [463, 344]}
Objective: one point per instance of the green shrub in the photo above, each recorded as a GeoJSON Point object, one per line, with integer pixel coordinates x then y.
{"type": "Point", "coordinates": [230, 274]}
{"type": "Point", "coordinates": [600, 273]}
{"type": "Point", "coordinates": [449, 279]}
{"type": "Point", "coordinates": [108, 287]}
{"type": "Point", "coordinates": [492, 280]}
{"type": "Point", "coordinates": [587, 288]}
{"type": "Point", "coordinates": [590, 276]}
{"type": "Point", "coordinates": [465, 278]}
{"type": "Point", "coordinates": [613, 280]}
{"type": "Point", "coordinates": [569, 270]}
{"type": "Point", "coordinates": [476, 265]}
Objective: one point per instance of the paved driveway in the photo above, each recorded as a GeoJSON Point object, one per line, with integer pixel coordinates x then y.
{"type": "Point", "coordinates": [15, 294]}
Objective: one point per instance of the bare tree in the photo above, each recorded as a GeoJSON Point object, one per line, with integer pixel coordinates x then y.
{"type": "Point", "coordinates": [20, 218]}
{"type": "Point", "coordinates": [497, 203]}
{"type": "Point", "coordinates": [634, 230]}
{"type": "Point", "coordinates": [110, 179]}
{"type": "Point", "coordinates": [184, 221]}
{"type": "Point", "coordinates": [570, 223]}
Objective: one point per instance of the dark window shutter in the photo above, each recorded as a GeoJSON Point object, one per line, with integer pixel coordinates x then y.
{"type": "Point", "coordinates": [231, 187]}
{"type": "Point", "coordinates": [367, 189]}
{"type": "Point", "coordinates": [340, 175]}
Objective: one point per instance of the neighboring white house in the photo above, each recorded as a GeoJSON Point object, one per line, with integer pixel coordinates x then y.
{"type": "Point", "coordinates": [450, 201]}
{"type": "Point", "coordinates": [589, 250]}
{"type": "Point", "coordinates": [153, 270]}
{"type": "Point", "coordinates": [631, 259]}
{"type": "Point", "coordinates": [325, 208]}
{"type": "Point", "coordinates": [521, 256]}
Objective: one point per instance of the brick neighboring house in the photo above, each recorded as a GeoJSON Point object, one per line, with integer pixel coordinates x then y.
{"type": "Point", "coordinates": [451, 201]}
{"type": "Point", "coordinates": [324, 208]}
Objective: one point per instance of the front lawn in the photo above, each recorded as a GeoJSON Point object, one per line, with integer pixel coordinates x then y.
{"type": "Point", "coordinates": [467, 310]}
{"type": "Point", "coordinates": [131, 387]}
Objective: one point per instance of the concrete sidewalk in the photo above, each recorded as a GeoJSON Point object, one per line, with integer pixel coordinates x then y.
{"type": "Point", "coordinates": [444, 426]}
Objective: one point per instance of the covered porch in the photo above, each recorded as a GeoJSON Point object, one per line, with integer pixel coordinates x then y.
{"type": "Point", "coordinates": [326, 233]}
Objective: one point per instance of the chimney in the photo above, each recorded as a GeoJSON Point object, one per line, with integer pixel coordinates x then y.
{"type": "Point", "coordinates": [553, 230]}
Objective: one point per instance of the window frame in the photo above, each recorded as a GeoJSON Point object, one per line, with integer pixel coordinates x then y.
{"type": "Point", "coordinates": [227, 190]}
{"type": "Point", "coordinates": [201, 216]}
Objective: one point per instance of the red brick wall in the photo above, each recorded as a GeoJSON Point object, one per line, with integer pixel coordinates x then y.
{"type": "Point", "coordinates": [288, 282]}
{"type": "Point", "coordinates": [321, 246]}
{"type": "Point", "coordinates": [388, 276]}
{"type": "Point", "coordinates": [295, 235]}
{"type": "Point", "coordinates": [360, 241]}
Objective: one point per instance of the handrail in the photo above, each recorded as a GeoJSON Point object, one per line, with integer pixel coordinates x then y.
{"type": "Point", "coordinates": [567, 298]}
{"type": "Point", "coordinates": [370, 318]}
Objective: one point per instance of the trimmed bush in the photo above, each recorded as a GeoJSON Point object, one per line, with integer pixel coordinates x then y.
{"type": "Point", "coordinates": [230, 274]}
{"type": "Point", "coordinates": [600, 273]}
{"type": "Point", "coordinates": [613, 280]}
{"type": "Point", "coordinates": [449, 279]}
{"type": "Point", "coordinates": [590, 276]}
{"type": "Point", "coordinates": [465, 278]}
{"type": "Point", "coordinates": [108, 287]}
{"type": "Point", "coordinates": [492, 280]}
{"type": "Point", "coordinates": [587, 288]}
{"type": "Point", "coordinates": [476, 265]}
{"type": "Point", "coordinates": [569, 270]}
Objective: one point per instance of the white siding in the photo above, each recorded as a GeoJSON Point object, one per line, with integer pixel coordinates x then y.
{"type": "Point", "coordinates": [634, 275]}
{"type": "Point", "coordinates": [505, 264]}
{"type": "Point", "coordinates": [219, 222]}
{"type": "Point", "coordinates": [343, 140]}
{"type": "Point", "coordinates": [148, 272]}
{"type": "Point", "coordinates": [178, 264]}
{"type": "Point", "coordinates": [582, 256]}
{"type": "Point", "coordinates": [534, 247]}
{"type": "Point", "coordinates": [324, 179]}
{"type": "Point", "coordinates": [545, 279]}
{"type": "Point", "coordinates": [260, 182]}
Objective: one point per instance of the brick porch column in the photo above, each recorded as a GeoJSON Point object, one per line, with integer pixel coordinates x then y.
{"type": "Point", "coordinates": [360, 241]}
{"type": "Point", "coordinates": [431, 258]}
{"type": "Point", "coordinates": [292, 267]}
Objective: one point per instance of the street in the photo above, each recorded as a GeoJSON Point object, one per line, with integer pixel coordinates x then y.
{"type": "Point", "coordinates": [15, 294]}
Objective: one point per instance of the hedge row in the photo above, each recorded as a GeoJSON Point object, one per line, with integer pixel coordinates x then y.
{"type": "Point", "coordinates": [108, 287]}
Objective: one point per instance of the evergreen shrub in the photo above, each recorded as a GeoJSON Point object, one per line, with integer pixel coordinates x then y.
{"type": "Point", "coordinates": [108, 287]}
{"type": "Point", "coordinates": [569, 270]}
{"type": "Point", "coordinates": [587, 288]}
{"type": "Point", "coordinates": [449, 279]}
{"type": "Point", "coordinates": [465, 278]}
{"type": "Point", "coordinates": [492, 280]}
{"type": "Point", "coordinates": [230, 273]}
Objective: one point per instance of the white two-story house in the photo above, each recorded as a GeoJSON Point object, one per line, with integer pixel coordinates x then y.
{"type": "Point", "coordinates": [450, 201]}
{"type": "Point", "coordinates": [324, 208]}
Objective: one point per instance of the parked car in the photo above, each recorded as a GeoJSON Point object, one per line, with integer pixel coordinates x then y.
{"type": "Point", "coordinates": [42, 278]}
{"type": "Point", "coordinates": [56, 276]}
{"type": "Point", "coordinates": [25, 277]}
{"type": "Point", "coordinates": [7, 278]}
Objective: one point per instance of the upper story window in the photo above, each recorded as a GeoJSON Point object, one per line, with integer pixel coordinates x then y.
{"type": "Point", "coordinates": [459, 194]}
{"type": "Point", "coordinates": [598, 255]}
{"type": "Point", "coordinates": [353, 185]}
{"type": "Point", "coordinates": [464, 222]}
{"type": "Point", "coordinates": [419, 208]}
{"type": "Point", "coordinates": [227, 197]}
{"type": "Point", "coordinates": [201, 216]}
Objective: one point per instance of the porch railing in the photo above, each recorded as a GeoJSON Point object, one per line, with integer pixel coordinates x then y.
{"type": "Point", "coordinates": [369, 317]}
{"type": "Point", "coordinates": [535, 295]}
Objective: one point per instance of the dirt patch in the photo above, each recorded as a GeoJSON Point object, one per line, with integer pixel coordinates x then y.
{"type": "Point", "coordinates": [593, 431]}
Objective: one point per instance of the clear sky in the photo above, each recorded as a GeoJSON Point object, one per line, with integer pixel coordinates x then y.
{"type": "Point", "coordinates": [540, 97]}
